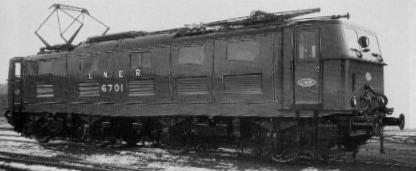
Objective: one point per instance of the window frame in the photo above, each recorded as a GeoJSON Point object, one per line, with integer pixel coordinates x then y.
{"type": "Point", "coordinates": [239, 41]}
{"type": "Point", "coordinates": [317, 48]}
{"type": "Point", "coordinates": [351, 52]}
{"type": "Point", "coordinates": [40, 66]}
{"type": "Point", "coordinates": [95, 59]}
{"type": "Point", "coordinates": [18, 69]}
{"type": "Point", "coordinates": [141, 59]}
{"type": "Point", "coordinates": [189, 46]}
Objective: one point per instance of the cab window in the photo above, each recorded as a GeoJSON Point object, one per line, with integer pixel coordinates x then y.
{"type": "Point", "coordinates": [17, 69]}
{"type": "Point", "coordinates": [373, 44]}
{"type": "Point", "coordinates": [191, 55]}
{"type": "Point", "coordinates": [31, 67]}
{"type": "Point", "coordinates": [351, 39]}
{"type": "Point", "coordinates": [307, 48]}
{"type": "Point", "coordinates": [88, 64]}
{"type": "Point", "coordinates": [245, 50]}
{"type": "Point", "coordinates": [45, 67]}
{"type": "Point", "coordinates": [140, 59]}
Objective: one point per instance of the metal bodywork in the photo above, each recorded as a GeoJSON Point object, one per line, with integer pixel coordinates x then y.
{"type": "Point", "coordinates": [216, 86]}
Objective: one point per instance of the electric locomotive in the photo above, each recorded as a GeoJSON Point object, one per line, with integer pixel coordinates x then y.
{"type": "Point", "coordinates": [267, 84]}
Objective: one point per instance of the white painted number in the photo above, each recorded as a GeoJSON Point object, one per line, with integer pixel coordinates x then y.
{"type": "Point", "coordinates": [103, 88]}
{"type": "Point", "coordinates": [116, 88]}
{"type": "Point", "coordinates": [110, 87]}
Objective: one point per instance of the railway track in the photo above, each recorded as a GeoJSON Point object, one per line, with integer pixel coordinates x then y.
{"type": "Point", "coordinates": [9, 135]}
{"type": "Point", "coordinates": [6, 129]}
{"type": "Point", "coordinates": [65, 163]}
{"type": "Point", "coordinates": [219, 155]}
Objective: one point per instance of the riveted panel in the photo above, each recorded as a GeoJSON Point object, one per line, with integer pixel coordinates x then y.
{"type": "Point", "coordinates": [287, 67]}
{"type": "Point", "coordinates": [144, 65]}
{"type": "Point", "coordinates": [360, 73]}
{"type": "Point", "coordinates": [278, 68]}
{"type": "Point", "coordinates": [333, 84]}
{"type": "Point", "coordinates": [145, 42]}
{"type": "Point", "coordinates": [44, 69]}
{"type": "Point", "coordinates": [191, 70]}
{"type": "Point", "coordinates": [95, 48]}
{"type": "Point", "coordinates": [254, 69]}
{"type": "Point", "coordinates": [332, 42]}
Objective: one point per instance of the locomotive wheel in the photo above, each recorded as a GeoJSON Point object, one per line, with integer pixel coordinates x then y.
{"type": "Point", "coordinates": [99, 138]}
{"type": "Point", "coordinates": [286, 155]}
{"type": "Point", "coordinates": [177, 146]}
{"type": "Point", "coordinates": [131, 140]}
{"type": "Point", "coordinates": [355, 151]}
{"type": "Point", "coordinates": [27, 130]}
{"type": "Point", "coordinates": [177, 149]}
{"type": "Point", "coordinates": [43, 134]}
{"type": "Point", "coordinates": [324, 151]}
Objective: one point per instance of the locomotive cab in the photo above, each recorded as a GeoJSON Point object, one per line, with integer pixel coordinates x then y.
{"type": "Point", "coordinates": [331, 67]}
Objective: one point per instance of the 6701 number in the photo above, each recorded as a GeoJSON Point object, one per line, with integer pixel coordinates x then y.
{"type": "Point", "coordinates": [112, 88]}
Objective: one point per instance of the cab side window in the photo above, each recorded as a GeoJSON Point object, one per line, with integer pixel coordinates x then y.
{"type": "Point", "coordinates": [351, 38]}
{"type": "Point", "coordinates": [140, 59]}
{"type": "Point", "coordinates": [88, 64]}
{"type": "Point", "coordinates": [307, 47]}
{"type": "Point", "coordinates": [17, 69]}
{"type": "Point", "coordinates": [243, 50]}
{"type": "Point", "coordinates": [191, 55]}
{"type": "Point", "coordinates": [31, 67]}
{"type": "Point", "coordinates": [45, 67]}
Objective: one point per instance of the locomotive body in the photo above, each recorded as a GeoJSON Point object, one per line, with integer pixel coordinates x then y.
{"type": "Point", "coordinates": [265, 83]}
{"type": "Point", "coordinates": [256, 72]}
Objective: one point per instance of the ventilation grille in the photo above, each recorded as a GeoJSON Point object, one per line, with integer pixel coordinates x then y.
{"type": "Point", "coordinates": [243, 84]}
{"type": "Point", "coordinates": [192, 85]}
{"type": "Point", "coordinates": [141, 88]}
{"type": "Point", "coordinates": [90, 89]}
{"type": "Point", "coordinates": [44, 91]}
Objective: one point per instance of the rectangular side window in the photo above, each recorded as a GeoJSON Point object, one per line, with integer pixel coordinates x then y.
{"type": "Point", "coordinates": [246, 50]}
{"type": "Point", "coordinates": [88, 64]}
{"type": "Point", "coordinates": [351, 39]}
{"type": "Point", "coordinates": [17, 69]}
{"type": "Point", "coordinates": [191, 55]}
{"type": "Point", "coordinates": [307, 47]}
{"type": "Point", "coordinates": [31, 67]}
{"type": "Point", "coordinates": [140, 59]}
{"type": "Point", "coordinates": [45, 67]}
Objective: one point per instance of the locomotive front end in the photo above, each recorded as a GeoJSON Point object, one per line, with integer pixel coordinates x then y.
{"type": "Point", "coordinates": [362, 81]}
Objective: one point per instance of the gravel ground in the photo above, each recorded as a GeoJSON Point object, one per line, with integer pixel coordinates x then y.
{"type": "Point", "coordinates": [399, 146]}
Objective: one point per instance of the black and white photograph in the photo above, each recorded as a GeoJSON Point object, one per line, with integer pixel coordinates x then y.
{"type": "Point", "coordinates": [219, 85]}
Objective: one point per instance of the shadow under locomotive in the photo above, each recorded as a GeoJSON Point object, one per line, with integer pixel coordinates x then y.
{"type": "Point", "coordinates": [266, 84]}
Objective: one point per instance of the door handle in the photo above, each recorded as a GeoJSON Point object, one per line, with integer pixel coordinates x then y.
{"type": "Point", "coordinates": [318, 68]}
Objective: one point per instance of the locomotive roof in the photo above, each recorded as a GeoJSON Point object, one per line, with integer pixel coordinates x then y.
{"type": "Point", "coordinates": [134, 38]}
